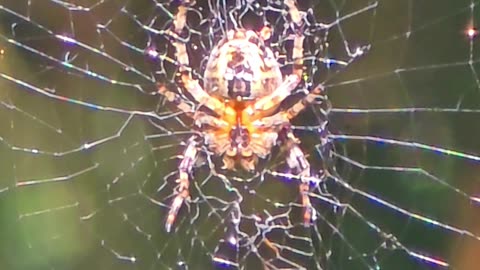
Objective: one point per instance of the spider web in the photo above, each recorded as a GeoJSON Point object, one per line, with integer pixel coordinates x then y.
{"type": "Point", "coordinates": [89, 150]}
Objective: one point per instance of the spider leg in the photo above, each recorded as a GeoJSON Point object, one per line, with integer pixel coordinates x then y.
{"type": "Point", "coordinates": [190, 84]}
{"type": "Point", "coordinates": [176, 99]}
{"type": "Point", "coordinates": [182, 190]}
{"type": "Point", "coordinates": [296, 161]}
{"type": "Point", "coordinates": [199, 117]}
{"type": "Point", "coordinates": [298, 164]}
{"type": "Point", "coordinates": [283, 118]}
{"type": "Point", "coordinates": [297, 53]}
{"type": "Point", "coordinates": [300, 105]}
{"type": "Point", "coordinates": [270, 101]}
{"type": "Point", "coordinates": [202, 119]}
{"type": "Point", "coordinates": [291, 81]}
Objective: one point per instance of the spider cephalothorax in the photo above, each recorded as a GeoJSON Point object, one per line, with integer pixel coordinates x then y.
{"type": "Point", "coordinates": [243, 88]}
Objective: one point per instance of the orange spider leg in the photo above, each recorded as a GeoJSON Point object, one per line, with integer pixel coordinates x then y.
{"type": "Point", "coordinates": [202, 97]}
{"type": "Point", "coordinates": [190, 84]}
{"type": "Point", "coordinates": [175, 99]}
{"type": "Point", "coordinates": [270, 101]}
{"type": "Point", "coordinates": [290, 83]}
{"type": "Point", "coordinates": [283, 118]}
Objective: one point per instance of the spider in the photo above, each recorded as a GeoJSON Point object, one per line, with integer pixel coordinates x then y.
{"type": "Point", "coordinates": [242, 90]}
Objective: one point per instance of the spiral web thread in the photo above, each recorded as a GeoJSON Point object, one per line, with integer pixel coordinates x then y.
{"type": "Point", "coordinates": [89, 150]}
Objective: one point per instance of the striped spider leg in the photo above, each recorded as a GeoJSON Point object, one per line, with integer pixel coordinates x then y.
{"type": "Point", "coordinates": [296, 160]}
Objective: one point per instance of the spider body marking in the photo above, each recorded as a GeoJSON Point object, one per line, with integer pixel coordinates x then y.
{"type": "Point", "coordinates": [243, 88]}
{"type": "Point", "coordinates": [241, 68]}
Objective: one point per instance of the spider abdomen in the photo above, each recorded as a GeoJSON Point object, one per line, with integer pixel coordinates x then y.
{"type": "Point", "coordinates": [241, 67]}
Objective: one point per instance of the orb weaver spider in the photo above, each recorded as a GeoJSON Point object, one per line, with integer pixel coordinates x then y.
{"type": "Point", "coordinates": [242, 90]}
